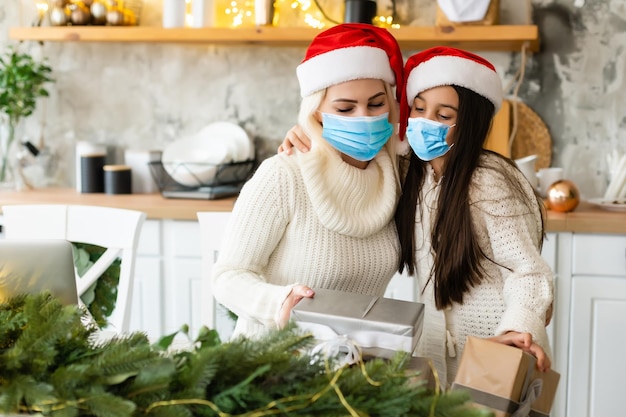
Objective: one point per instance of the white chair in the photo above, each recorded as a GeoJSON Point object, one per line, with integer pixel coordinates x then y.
{"type": "Point", "coordinates": [212, 229]}
{"type": "Point", "coordinates": [116, 230]}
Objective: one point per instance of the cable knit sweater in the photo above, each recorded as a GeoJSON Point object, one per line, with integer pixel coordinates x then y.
{"type": "Point", "coordinates": [310, 219]}
{"type": "Point", "coordinates": [508, 300]}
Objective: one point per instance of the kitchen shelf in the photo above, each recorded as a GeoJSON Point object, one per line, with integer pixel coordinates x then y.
{"type": "Point", "coordinates": [480, 38]}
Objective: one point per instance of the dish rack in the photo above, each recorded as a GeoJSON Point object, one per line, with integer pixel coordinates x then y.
{"type": "Point", "coordinates": [227, 181]}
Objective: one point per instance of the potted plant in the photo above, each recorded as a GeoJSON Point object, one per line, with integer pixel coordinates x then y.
{"type": "Point", "coordinates": [22, 82]}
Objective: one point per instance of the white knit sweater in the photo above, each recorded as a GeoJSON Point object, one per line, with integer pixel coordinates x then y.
{"type": "Point", "coordinates": [310, 219]}
{"type": "Point", "coordinates": [509, 234]}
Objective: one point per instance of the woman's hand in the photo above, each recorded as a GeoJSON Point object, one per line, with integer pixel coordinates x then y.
{"type": "Point", "coordinates": [525, 342]}
{"type": "Point", "coordinates": [298, 292]}
{"type": "Point", "coordinates": [295, 138]}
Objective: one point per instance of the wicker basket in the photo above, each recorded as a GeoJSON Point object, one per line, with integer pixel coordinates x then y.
{"type": "Point", "coordinates": [531, 137]}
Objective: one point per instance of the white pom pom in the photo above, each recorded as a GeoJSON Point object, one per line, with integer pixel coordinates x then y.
{"type": "Point", "coordinates": [402, 147]}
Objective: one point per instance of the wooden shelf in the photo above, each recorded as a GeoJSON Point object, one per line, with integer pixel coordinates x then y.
{"type": "Point", "coordinates": [478, 38]}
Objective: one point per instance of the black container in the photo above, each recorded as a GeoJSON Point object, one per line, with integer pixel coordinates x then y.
{"type": "Point", "coordinates": [117, 179]}
{"type": "Point", "coordinates": [91, 173]}
{"type": "Point", "coordinates": [359, 11]}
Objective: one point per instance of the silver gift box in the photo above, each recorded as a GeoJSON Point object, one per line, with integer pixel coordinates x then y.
{"type": "Point", "coordinates": [379, 326]}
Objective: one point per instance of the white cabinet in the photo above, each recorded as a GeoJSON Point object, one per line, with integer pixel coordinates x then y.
{"type": "Point", "coordinates": [212, 229]}
{"type": "Point", "coordinates": [183, 275]}
{"type": "Point", "coordinates": [168, 278]}
{"type": "Point", "coordinates": [597, 362]}
{"type": "Point", "coordinates": [147, 306]}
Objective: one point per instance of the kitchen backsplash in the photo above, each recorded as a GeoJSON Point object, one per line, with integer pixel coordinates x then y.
{"type": "Point", "coordinates": [143, 96]}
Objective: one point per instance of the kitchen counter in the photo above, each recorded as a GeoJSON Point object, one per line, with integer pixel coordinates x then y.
{"type": "Point", "coordinates": [585, 219]}
{"type": "Point", "coordinates": [154, 205]}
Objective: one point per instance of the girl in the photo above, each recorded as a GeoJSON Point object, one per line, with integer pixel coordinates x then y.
{"type": "Point", "coordinates": [471, 226]}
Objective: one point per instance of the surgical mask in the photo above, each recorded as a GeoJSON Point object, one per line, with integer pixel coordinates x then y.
{"type": "Point", "coordinates": [360, 138]}
{"type": "Point", "coordinates": [427, 138]}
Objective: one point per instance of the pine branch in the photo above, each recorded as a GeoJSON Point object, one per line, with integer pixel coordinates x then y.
{"type": "Point", "coordinates": [128, 377]}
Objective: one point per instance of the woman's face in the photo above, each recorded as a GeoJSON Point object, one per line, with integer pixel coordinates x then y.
{"type": "Point", "coordinates": [440, 104]}
{"type": "Point", "coordinates": [355, 98]}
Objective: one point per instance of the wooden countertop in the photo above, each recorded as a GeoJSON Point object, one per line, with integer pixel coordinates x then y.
{"type": "Point", "coordinates": [585, 219]}
{"type": "Point", "coordinates": [154, 205]}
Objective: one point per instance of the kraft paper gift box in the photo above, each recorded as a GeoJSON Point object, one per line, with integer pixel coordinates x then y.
{"type": "Point", "coordinates": [501, 377]}
{"type": "Point", "coordinates": [379, 326]}
{"type": "Point", "coordinates": [423, 369]}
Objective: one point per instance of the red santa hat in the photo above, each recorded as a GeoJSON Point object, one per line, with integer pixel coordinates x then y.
{"type": "Point", "coordinates": [442, 65]}
{"type": "Point", "coordinates": [350, 51]}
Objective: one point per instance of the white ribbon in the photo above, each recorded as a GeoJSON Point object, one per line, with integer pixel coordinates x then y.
{"type": "Point", "coordinates": [333, 348]}
{"type": "Point", "coordinates": [530, 396]}
{"type": "Point", "coordinates": [363, 338]}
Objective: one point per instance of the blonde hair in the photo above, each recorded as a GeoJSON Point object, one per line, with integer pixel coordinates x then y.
{"type": "Point", "coordinates": [312, 127]}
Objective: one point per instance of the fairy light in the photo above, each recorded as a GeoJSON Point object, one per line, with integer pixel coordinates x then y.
{"type": "Point", "coordinates": [386, 21]}
{"type": "Point", "coordinates": [238, 13]}
{"type": "Point", "coordinates": [313, 22]}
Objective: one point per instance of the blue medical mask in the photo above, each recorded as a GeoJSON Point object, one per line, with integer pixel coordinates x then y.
{"type": "Point", "coordinates": [427, 138]}
{"type": "Point", "coordinates": [360, 138]}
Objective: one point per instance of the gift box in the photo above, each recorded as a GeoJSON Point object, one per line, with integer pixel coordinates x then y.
{"type": "Point", "coordinates": [379, 326]}
{"type": "Point", "coordinates": [424, 372]}
{"type": "Point", "coordinates": [505, 379]}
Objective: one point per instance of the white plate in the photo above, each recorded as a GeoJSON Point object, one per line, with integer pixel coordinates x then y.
{"type": "Point", "coordinates": [619, 205]}
{"type": "Point", "coordinates": [233, 136]}
{"type": "Point", "coordinates": [192, 161]}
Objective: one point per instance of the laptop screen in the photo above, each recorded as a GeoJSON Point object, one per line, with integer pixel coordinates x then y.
{"type": "Point", "coordinates": [33, 265]}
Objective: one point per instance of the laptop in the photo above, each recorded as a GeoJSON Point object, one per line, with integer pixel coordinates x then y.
{"type": "Point", "coordinates": [33, 265]}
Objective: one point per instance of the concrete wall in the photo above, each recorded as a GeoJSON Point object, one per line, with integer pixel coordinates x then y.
{"type": "Point", "coordinates": [143, 96]}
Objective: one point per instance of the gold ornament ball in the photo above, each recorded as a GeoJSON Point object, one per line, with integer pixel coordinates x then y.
{"type": "Point", "coordinates": [563, 196]}
{"type": "Point", "coordinates": [98, 13]}
{"type": "Point", "coordinates": [59, 16]}
{"type": "Point", "coordinates": [80, 16]}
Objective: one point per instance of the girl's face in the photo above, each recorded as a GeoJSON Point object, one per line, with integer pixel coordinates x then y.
{"type": "Point", "coordinates": [440, 104]}
{"type": "Point", "coordinates": [355, 98]}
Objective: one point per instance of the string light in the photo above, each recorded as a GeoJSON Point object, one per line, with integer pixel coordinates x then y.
{"type": "Point", "coordinates": [240, 13]}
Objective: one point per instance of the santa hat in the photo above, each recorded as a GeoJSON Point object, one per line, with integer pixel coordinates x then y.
{"type": "Point", "coordinates": [350, 51]}
{"type": "Point", "coordinates": [442, 65]}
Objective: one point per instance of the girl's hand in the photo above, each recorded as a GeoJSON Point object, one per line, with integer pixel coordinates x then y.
{"type": "Point", "coordinates": [298, 292]}
{"type": "Point", "coordinates": [295, 137]}
{"type": "Point", "coordinates": [525, 342]}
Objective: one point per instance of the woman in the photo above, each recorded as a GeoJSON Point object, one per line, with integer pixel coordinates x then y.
{"type": "Point", "coordinates": [470, 225]}
{"type": "Point", "coordinates": [324, 218]}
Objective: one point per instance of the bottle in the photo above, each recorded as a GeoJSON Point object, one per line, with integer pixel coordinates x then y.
{"type": "Point", "coordinates": [201, 13]}
{"type": "Point", "coordinates": [174, 13]}
{"type": "Point", "coordinates": [263, 12]}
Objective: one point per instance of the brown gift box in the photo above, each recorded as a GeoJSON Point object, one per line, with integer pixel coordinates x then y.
{"type": "Point", "coordinates": [500, 376]}
{"type": "Point", "coordinates": [423, 369]}
{"type": "Point", "coordinates": [379, 326]}
{"type": "Point", "coordinates": [492, 17]}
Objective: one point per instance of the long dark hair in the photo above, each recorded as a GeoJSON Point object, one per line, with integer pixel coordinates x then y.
{"type": "Point", "coordinates": [457, 254]}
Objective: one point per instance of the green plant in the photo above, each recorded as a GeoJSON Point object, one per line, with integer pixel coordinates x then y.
{"type": "Point", "coordinates": [22, 82]}
{"type": "Point", "coordinates": [101, 297]}
{"type": "Point", "coordinates": [50, 366]}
